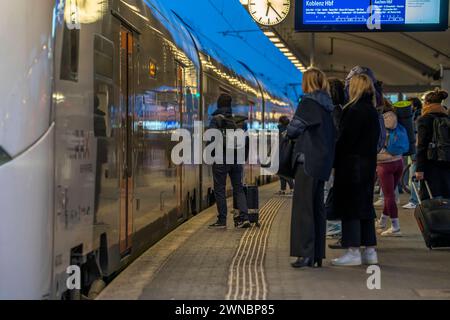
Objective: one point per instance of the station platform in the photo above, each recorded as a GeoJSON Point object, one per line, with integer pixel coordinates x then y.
{"type": "Point", "coordinates": [197, 263]}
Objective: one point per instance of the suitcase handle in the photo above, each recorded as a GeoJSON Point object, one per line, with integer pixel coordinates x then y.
{"type": "Point", "coordinates": [417, 192]}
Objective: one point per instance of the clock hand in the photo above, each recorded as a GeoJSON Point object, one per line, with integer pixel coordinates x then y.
{"type": "Point", "coordinates": [270, 5]}
{"type": "Point", "coordinates": [268, 8]}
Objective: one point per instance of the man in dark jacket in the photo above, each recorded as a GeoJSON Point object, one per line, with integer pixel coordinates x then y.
{"type": "Point", "coordinates": [221, 171]}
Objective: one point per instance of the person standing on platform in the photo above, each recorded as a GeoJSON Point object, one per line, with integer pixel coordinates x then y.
{"type": "Point", "coordinates": [355, 166]}
{"type": "Point", "coordinates": [417, 112]}
{"type": "Point", "coordinates": [315, 134]}
{"type": "Point", "coordinates": [223, 120]}
{"type": "Point", "coordinates": [389, 170]}
{"type": "Point", "coordinates": [433, 146]}
{"type": "Point", "coordinates": [337, 91]}
{"type": "Point", "coordinates": [283, 123]}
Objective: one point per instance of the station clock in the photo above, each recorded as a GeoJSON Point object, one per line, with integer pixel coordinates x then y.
{"type": "Point", "coordinates": [269, 12]}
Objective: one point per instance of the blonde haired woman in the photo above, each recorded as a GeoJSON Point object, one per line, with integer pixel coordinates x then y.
{"type": "Point", "coordinates": [355, 169]}
{"type": "Point", "coordinates": [315, 134]}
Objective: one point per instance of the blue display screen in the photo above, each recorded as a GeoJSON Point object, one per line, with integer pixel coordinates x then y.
{"type": "Point", "coordinates": [335, 12]}
{"type": "Point", "coordinates": [393, 15]}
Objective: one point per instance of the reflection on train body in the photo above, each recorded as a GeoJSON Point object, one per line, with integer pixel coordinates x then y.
{"type": "Point", "coordinates": [124, 82]}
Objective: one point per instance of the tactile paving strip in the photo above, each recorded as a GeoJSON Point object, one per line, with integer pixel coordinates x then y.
{"type": "Point", "coordinates": [247, 279]}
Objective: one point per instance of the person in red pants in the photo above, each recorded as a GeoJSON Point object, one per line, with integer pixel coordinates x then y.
{"type": "Point", "coordinates": [389, 170]}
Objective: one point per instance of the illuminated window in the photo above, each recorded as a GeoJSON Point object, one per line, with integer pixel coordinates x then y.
{"type": "Point", "coordinates": [152, 69]}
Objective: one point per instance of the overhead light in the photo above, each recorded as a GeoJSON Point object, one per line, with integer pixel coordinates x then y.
{"type": "Point", "coordinates": [275, 40]}
{"type": "Point", "coordinates": [269, 33]}
{"type": "Point", "coordinates": [279, 45]}
{"type": "Point", "coordinates": [288, 54]}
{"type": "Point", "coordinates": [285, 50]}
{"type": "Point", "coordinates": [292, 58]}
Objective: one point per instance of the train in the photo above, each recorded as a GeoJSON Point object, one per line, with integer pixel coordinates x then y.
{"type": "Point", "coordinates": [92, 91]}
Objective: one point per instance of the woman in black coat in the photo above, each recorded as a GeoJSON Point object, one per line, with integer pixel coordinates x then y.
{"type": "Point", "coordinates": [433, 167]}
{"type": "Point", "coordinates": [355, 169]}
{"type": "Point", "coordinates": [315, 135]}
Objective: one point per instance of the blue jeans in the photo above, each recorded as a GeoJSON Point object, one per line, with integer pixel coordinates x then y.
{"type": "Point", "coordinates": [236, 172]}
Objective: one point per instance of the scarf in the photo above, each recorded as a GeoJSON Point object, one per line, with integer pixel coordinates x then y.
{"type": "Point", "coordinates": [433, 108]}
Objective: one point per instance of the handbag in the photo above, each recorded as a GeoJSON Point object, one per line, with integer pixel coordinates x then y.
{"type": "Point", "coordinates": [286, 166]}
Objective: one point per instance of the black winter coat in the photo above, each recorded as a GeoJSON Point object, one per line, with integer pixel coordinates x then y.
{"type": "Point", "coordinates": [315, 134]}
{"type": "Point", "coordinates": [425, 136]}
{"type": "Point", "coordinates": [356, 161]}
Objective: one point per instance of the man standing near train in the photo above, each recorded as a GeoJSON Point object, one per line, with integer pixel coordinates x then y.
{"type": "Point", "coordinates": [223, 120]}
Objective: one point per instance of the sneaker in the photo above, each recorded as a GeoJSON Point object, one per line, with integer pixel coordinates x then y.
{"type": "Point", "coordinates": [369, 257]}
{"type": "Point", "coordinates": [337, 245]}
{"type": "Point", "coordinates": [334, 230]}
{"type": "Point", "coordinates": [379, 203]}
{"type": "Point", "coordinates": [410, 206]}
{"type": "Point", "coordinates": [379, 227]}
{"type": "Point", "coordinates": [350, 258]}
{"type": "Point", "coordinates": [391, 233]}
{"type": "Point", "coordinates": [280, 193]}
{"type": "Point", "coordinates": [245, 224]}
{"type": "Point", "coordinates": [218, 225]}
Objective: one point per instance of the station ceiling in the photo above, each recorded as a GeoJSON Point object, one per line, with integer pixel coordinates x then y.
{"type": "Point", "coordinates": [403, 61]}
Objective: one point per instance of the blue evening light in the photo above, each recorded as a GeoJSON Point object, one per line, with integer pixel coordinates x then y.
{"type": "Point", "coordinates": [228, 24]}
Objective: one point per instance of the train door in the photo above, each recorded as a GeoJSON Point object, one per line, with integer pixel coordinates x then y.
{"type": "Point", "coordinates": [125, 151]}
{"type": "Point", "coordinates": [182, 208]}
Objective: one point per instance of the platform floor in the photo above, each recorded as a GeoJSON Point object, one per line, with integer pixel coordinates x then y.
{"type": "Point", "coordinates": [195, 262]}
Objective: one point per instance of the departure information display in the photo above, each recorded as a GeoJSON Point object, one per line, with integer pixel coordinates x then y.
{"type": "Point", "coordinates": [372, 15]}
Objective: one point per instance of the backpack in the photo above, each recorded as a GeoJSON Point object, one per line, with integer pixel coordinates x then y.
{"type": "Point", "coordinates": [397, 141]}
{"type": "Point", "coordinates": [225, 123]}
{"type": "Point", "coordinates": [439, 148]}
{"type": "Point", "coordinates": [405, 116]}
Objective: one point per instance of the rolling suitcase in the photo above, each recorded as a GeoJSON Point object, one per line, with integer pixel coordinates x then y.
{"type": "Point", "coordinates": [252, 195]}
{"type": "Point", "coordinates": [433, 218]}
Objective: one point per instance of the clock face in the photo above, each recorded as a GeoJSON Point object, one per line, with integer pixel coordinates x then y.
{"type": "Point", "coordinates": [269, 12]}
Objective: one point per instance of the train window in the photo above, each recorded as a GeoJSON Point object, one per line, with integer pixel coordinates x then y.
{"type": "Point", "coordinates": [103, 57]}
{"type": "Point", "coordinates": [180, 85]}
{"type": "Point", "coordinates": [70, 54]}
